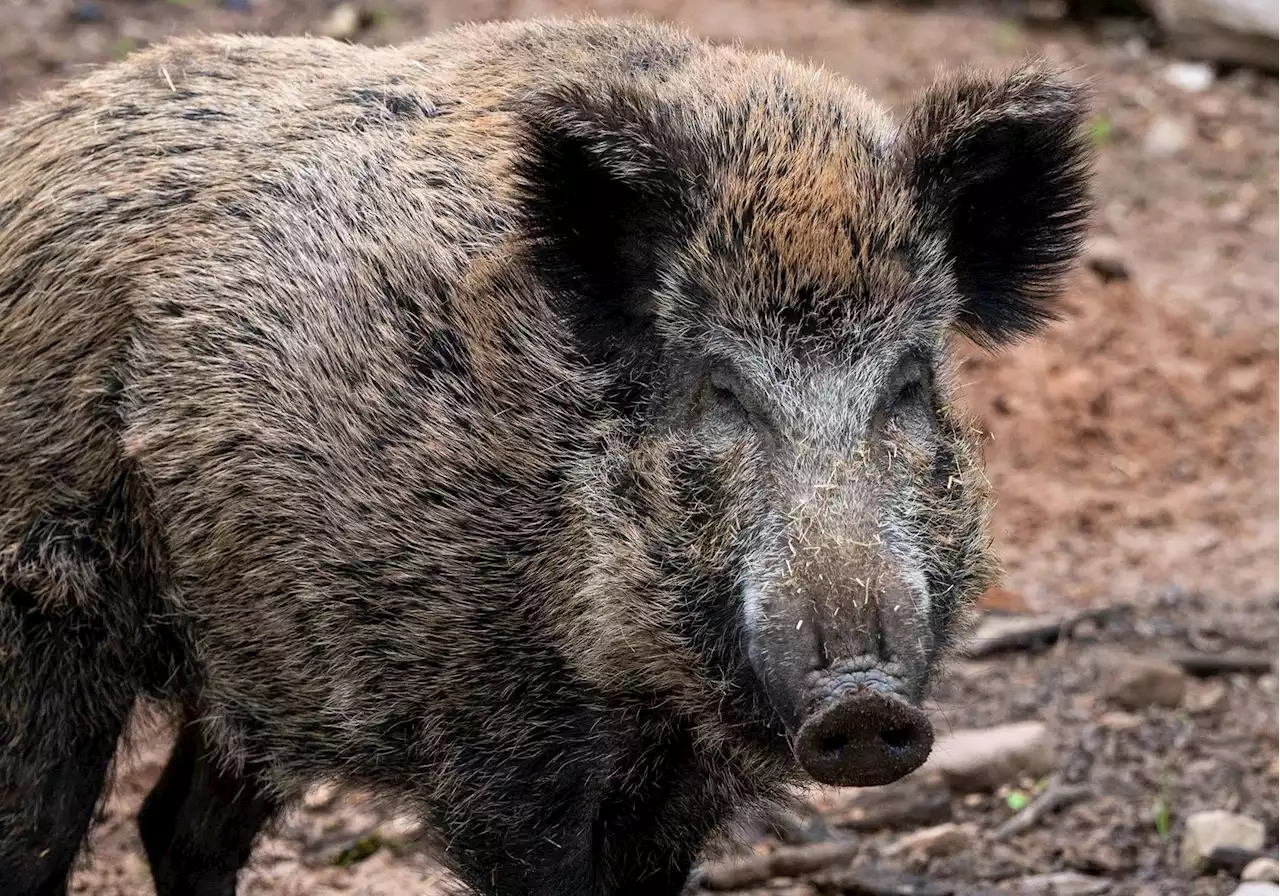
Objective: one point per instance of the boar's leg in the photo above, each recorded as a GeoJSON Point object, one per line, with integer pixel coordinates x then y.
{"type": "Point", "coordinates": [199, 823]}
{"type": "Point", "coordinates": [523, 821]}
{"type": "Point", "coordinates": [61, 712]}
{"type": "Point", "coordinates": [653, 831]}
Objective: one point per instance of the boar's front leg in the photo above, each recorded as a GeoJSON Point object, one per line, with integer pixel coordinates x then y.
{"type": "Point", "coordinates": [199, 822]}
{"type": "Point", "coordinates": [529, 837]}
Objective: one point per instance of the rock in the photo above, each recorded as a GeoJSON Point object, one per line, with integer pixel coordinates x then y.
{"type": "Point", "coordinates": [1206, 698]}
{"type": "Point", "coordinates": [1105, 257]}
{"type": "Point", "coordinates": [935, 842]}
{"type": "Point", "coordinates": [1166, 137]}
{"type": "Point", "coordinates": [1044, 12]}
{"type": "Point", "coordinates": [400, 833]}
{"type": "Point", "coordinates": [1232, 860]}
{"type": "Point", "coordinates": [1262, 870]}
{"type": "Point", "coordinates": [320, 797]}
{"type": "Point", "coordinates": [237, 5]}
{"type": "Point", "coordinates": [1063, 883]}
{"type": "Point", "coordinates": [1193, 77]}
{"type": "Point", "coordinates": [983, 759]}
{"type": "Point", "coordinates": [1243, 32]}
{"type": "Point", "coordinates": [1135, 683]}
{"type": "Point", "coordinates": [343, 23]}
{"type": "Point", "coordinates": [1217, 827]}
{"type": "Point", "coordinates": [1120, 721]}
{"type": "Point", "coordinates": [87, 12]}
{"type": "Point", "coordinates": [1256, 888]}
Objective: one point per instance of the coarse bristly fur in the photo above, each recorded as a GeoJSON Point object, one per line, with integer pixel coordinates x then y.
{"type": "Point", "coordinates": [523, 423]}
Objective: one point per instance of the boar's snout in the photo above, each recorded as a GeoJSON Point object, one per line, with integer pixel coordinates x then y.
{"type": "Point", "coordinates": [862, 735]}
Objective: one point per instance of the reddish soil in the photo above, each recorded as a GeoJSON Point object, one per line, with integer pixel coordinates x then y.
{"type": "Point", "coordinates": [1134, 450]}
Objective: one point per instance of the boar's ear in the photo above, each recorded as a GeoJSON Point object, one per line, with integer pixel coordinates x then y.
{"type": "Point", "coordinates": [605, 195]}
{"type": "Point", "coordinates": [1002, 166]}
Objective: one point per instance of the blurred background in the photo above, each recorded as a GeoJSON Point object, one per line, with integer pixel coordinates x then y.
{"type": "Point", "coordinates": [1123, 684]}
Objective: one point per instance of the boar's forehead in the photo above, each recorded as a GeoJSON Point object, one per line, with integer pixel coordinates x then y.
{"type": "Point", "coordinates": [812, 241]}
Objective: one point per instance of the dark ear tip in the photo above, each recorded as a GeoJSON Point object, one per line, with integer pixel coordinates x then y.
{"type": "Point", "coordinates": [994, 337]}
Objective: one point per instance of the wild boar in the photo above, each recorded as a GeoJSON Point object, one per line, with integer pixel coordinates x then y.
{"type": "Point", "coordinates": [547, 425]}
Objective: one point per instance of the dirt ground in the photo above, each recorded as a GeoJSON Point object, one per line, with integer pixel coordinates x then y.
{"type": "Point", "coordinates": [1134, 450]}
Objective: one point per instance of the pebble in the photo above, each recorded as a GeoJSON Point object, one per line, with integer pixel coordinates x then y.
{"type": "Point", "coordinates": [401, 834]}
{"type": "Point", "coordinates": [87, 12]}
{"type": "Point", "coordinates": [1044, 11]}
{"type": "Point", "coordinates": [1217, 827]}
{"type": "Point", "coordinates": [1206, 698]}
{"type": "Point", "coordinates": [1120, 721]}
{"type": "Point", "coordinates": [1105, 257]}
{"type": "Point", "coordinates": [1256, 888]}
{"type": "Point", "coordinates": [1262, 870]}
{"type": "Point", "coordinates": [1135, 683]}
{"type": "Point", "coordinates": [977, 760]}
{"type": "Point", "coordinates": [1166, 137]}
{"type": "Point", "coordinates": [1064, 883]}
{"type": "Point", "coordinates": [935, 842]}
{"type": "Point", "coordinates": [343, 23]}
{"type": "Point", "coordinates": [1193, 77]}
{"type": "Point", "coordinates": [320, 797]}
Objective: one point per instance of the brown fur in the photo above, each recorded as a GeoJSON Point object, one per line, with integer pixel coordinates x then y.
{"type": "Point", "coordinates": [335, 413]}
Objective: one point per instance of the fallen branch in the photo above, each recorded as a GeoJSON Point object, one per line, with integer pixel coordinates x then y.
{"type": "Point", "coordinates": [788, 861]}
{"type": "Point", "coordinates": [1195, 662]}
{"type": "Point", "coordinates": [868, 882]}
{"type": "Point", "coordinates": [1035, 635]}
{"type": "Point", "coordinates": [1054, 798]}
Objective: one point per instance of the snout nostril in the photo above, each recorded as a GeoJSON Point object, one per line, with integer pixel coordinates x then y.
{"type": "Point", "coordinates": [864, 739]}
{"type": "Point", "coordinates": [898, 739]}
{"type": "Point", "coordinates": [833, 743]}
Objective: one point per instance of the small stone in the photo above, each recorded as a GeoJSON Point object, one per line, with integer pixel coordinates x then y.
{"type": "Point", "coordinates": [935, 842]}
{"type": "Point", "coordinates": [1236, 32]}
{"type": "Point", "coordinates": [1217, 827]}
{"type": "Point", "coordinates": [320, 797]}
{"type": "Point", "coordinates": [1044, 11]}
{"type": "Point", "coordinates": [343, 23]}
{"type": "Point", "coordinates": [1166, 137]}
{"type": "Point", "coordinates": [1120, 721]}
{"type": "Point", "coordinates": [983, 759]}
{"type": "Point", "coordinates": [1262, 870]}
{"type": "Point", "coordinates": [87, 12]}
{"type": "Point", "coordinates": [1063, 883]}
{"type": "Point", "coordinates": [1206, 698]}
{"type": "Point", "coordinates": [1135, 683]}
{"type": "Point", "coordinates": [1256, 888]}
{"type": "Point", "coordinates": [1193, 77]}
{"type": "Point", "coordinates": [1244, 382]}
{"type": "Point", "coordinates": [400, 833]}
{"type": "Point", "coordinates": [1105, 257]}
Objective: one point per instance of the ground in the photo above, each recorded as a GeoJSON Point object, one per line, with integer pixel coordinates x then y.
{"type": "Point", "coordinates": [1134, 450]}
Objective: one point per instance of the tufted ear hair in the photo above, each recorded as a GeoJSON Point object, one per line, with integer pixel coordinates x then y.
{"type": "Point", "coordinates": [606, 192]}
{"type": "Point", "coordinates": [1002, 166]}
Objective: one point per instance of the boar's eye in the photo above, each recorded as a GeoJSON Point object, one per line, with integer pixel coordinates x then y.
{"type": "Point", "coordinates": [909, 387]}
{"type": "Point", "coordinates": [723, 400]}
